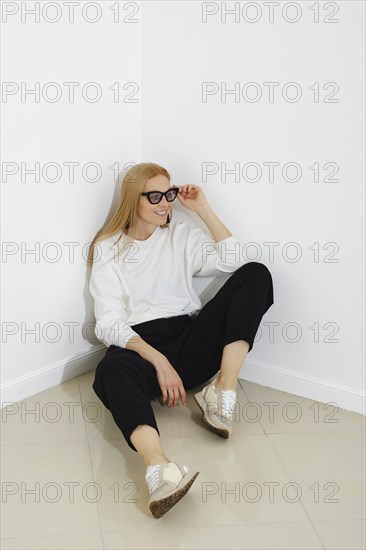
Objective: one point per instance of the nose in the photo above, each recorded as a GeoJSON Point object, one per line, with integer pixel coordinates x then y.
{"type": "Point", "coordinates": [163, 203]}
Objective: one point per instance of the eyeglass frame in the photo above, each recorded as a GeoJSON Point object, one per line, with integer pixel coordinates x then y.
{"type": "Point", "coordinates": [148, 193]}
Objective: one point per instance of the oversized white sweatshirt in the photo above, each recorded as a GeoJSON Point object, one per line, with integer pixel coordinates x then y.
{"type": "Point", "coordinates": [154, 277]}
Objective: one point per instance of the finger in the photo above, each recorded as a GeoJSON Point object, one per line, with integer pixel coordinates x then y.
{"type": "Point", "coordinates": [183, 395]}
{"type": "Point", "coordinates": [171, 397]}
{"type": "Point", "coordinates": [176, 397]}
{"type": "Point", "coordinates": [164, 394]}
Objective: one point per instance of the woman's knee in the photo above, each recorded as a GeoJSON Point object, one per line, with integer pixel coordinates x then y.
{"type": "Point", "coordinates": [261, 270]}
{"type": "Point", "coordinates": [114, 366]}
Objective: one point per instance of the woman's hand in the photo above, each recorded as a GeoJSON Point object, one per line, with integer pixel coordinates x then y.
{"type": "Point", "coordinates": [192, 197]}
{"type": "Point", "coordinates": [170, 382]}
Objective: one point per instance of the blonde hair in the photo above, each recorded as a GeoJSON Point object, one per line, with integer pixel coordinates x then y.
{"type": "Point", "coordinates": [125, 215]}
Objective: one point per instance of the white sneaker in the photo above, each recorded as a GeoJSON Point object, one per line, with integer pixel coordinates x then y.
{"type": "Point", "coordinates": [167, 484]}
{"type": "Point", "coordinates": [217, 408]}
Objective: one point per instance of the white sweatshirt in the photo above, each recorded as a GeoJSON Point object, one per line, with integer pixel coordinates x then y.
{"type": "Point", "coordinates": [154, 278]}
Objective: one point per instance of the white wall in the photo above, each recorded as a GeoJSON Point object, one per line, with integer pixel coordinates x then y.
{"type": "Point", "coordinates": [107, 133]}
{"type": "Point", "coordinates": [171, 53]}
{"type": "Point", "coordinates": [179, 53]}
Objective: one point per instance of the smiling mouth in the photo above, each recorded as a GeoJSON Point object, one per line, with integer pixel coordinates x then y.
{"type": "Point", "coordinates": [161, 213]}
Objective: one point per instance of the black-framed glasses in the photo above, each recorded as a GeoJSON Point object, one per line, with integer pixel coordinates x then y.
{"type": "Point", "coordinates": [155, 197]}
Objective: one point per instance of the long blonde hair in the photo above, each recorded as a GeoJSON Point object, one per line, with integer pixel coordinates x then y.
{"type": "Point", "coordinates": [125, 215]}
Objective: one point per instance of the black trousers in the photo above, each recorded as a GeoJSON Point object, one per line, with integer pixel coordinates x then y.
{"type": "Point", "coordinates": [126, 383]}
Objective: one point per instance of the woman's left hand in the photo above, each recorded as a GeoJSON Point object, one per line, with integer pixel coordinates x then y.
{"type": "Point", "coordinates": [192, 197]}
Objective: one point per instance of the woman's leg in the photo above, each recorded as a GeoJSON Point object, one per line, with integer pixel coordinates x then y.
{"type": "Point", "coordinates": [232, 361]}
{"type": "Point", "coordinates": [146, 441]}
{"type": "Point", "coordinates": [220, 337]}
{"type": "Point", "coordinates": [222, 334]}
{"type": "Point", "coordinates": [253, 293]}
{"type": "Point", "coordinates": [126, 383]}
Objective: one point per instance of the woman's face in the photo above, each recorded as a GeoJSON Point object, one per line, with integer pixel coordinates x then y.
{"type": "Point", "coordinates": [149, 212]}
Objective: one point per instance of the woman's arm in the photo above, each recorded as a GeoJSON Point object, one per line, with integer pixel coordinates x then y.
{"type": "Point", "coordinates": [192, 197]}
{"type": "Point", "coordinates": [138, 344]}
{"type": "Point", "coordinates": [170, 383]}
{"type": "Point", "coordinates": [218, 229]}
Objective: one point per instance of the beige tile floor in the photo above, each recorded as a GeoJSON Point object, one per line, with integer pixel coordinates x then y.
{"type": "Point", "coordinates": [292, 475]}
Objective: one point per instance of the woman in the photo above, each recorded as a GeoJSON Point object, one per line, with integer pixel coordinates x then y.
{"type": "Point", "coordinates": [160, 341]}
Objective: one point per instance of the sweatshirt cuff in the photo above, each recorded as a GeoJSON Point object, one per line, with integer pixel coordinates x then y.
{"type": "Point", "coordinates": [115, 335]}
{"type": "Point", "coordinates": [229, 252]}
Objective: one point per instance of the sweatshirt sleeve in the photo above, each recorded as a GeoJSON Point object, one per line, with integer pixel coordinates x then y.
{"type": "Point", "coordinates": [109, 309]}
{"type": "Point", "coordinates": [211, 258]}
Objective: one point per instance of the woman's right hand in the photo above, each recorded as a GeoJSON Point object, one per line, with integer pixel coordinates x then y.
{"type": "Point", "coordinates": [170, 382]}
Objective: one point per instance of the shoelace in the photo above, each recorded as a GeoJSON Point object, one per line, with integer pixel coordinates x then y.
{"type": "Point", "coordinates": [152, 477]}
{"type": "Point", "coordinates": [228, 398]}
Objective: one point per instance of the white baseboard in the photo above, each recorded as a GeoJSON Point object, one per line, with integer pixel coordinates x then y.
{"type": "Point", "coordinates": [52, 375]}
{"type": "Point", "coordinates": [253, 371]}
{"type": "Point", "coordinates": [301, 385]}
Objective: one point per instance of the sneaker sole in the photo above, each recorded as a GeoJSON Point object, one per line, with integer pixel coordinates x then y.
{"type": "Point", "coordinates": [159, 507]}
{"type": "Point", "coordinates": [223, 432]}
